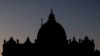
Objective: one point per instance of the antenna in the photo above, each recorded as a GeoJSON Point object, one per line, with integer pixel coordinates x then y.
{"type": "Point", "coordinates": [41, 21]}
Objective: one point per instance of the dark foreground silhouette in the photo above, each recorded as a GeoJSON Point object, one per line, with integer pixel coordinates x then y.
{"type": "Point", "coordinates": [51, 40]}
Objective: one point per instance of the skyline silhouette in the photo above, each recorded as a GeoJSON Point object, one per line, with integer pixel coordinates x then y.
{"type": "Point", "coordinates": [51, 40]}
{"type": "Point", "coordinates": [22, 18]}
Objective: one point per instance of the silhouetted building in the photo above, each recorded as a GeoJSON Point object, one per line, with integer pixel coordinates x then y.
{"type": "Point", "coordinates": [51, 40]}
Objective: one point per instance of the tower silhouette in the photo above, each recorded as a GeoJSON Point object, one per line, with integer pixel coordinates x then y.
{"type": "Point", "coordinates": [51, 40]}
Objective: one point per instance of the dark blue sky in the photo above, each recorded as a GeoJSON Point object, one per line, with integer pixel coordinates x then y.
{"type": "Point", "coordinates": [21, 18]}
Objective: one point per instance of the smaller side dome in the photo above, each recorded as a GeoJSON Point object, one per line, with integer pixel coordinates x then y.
{"type": "Point", "coordinates": [11, 41]}
{"type": "Point", "coordinates": [28, 42]}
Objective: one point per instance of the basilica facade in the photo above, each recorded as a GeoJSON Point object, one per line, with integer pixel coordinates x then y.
{"type": "Point", "coordinates": [51, 40]}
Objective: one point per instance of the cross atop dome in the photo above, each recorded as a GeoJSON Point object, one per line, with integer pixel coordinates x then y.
{"type": "Point", "coordinates": [51, 17]}
{"type": "Point", "coordinates": [51, 11]}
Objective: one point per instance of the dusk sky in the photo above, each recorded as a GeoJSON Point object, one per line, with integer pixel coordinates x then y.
{"type": "Point", "coordinates": [21, 18]}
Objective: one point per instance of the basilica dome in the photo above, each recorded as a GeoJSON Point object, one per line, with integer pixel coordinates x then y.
{"type": "Point", "coordinates": [51, 31]}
